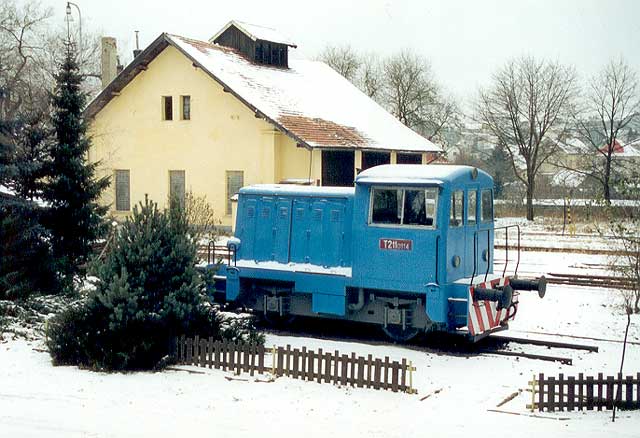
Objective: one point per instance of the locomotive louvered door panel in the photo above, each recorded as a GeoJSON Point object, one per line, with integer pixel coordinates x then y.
{"type": "Point", "coordinates": [316, 245]}
{"type": "Point", "coordinates": [282, 228]}
{"type": "Point", "coordinates": [272, 230]}
{"type": "Point", "coordinates": [264, 229]}
{"type": "Point", "coordinates": [333, 239]}
{"type": "Point", "coordinates": [246, 232]}
{"type": "Point", "coordinates": [300, 231]}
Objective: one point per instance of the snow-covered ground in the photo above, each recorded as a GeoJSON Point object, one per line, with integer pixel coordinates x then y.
{"type": "Point", "coordinates": [37, 399]}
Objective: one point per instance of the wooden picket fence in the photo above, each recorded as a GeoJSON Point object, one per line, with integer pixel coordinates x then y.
{"type": "Point", "coordinates": [571, 393]}
{"type": "Point", "coordinates": [304, 364]}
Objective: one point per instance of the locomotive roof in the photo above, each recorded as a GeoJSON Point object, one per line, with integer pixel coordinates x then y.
{"type": "Point", "coordinates": [297, 190]}
{"type": "Point", "coordinates": [436, 174]}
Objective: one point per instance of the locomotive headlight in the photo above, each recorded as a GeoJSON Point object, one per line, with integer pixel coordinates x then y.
{"type": "Point", "coordinates": [485, 255]}
{"type": "Point", "coordinates": [455, 261]}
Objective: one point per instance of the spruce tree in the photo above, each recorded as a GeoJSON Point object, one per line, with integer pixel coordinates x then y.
{"type": "Point", "coordinates": [25, 262]}
{"type": "Point", "coordinates": [75, 218]}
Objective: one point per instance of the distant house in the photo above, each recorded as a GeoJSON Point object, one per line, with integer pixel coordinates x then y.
{"type": "Point", "coordinates": [210, 117]}
{"type": "Point", "coordinates": [575, 154]}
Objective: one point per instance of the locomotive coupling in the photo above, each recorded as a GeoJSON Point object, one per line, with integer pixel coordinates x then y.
{"type": "Point", "coordinates": [539, 284]}
{"type": "Point", "coordinates": [502, 296]}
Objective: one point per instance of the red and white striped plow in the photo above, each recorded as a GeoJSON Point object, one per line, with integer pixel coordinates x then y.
{"type": "Point", "coordinates": [483, 314]}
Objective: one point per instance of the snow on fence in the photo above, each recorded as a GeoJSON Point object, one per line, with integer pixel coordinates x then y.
{"type": "Point", "coordinates": [571, 393]}
{"type": "Point", "coordinates": [328, 367]}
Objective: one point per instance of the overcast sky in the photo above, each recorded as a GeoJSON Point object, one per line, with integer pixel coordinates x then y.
{"type": "Point", "coordinates": [465, 40]}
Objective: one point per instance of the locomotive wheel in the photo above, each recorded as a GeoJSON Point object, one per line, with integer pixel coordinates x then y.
{"type": "Point", "coordinates": [397, 334]}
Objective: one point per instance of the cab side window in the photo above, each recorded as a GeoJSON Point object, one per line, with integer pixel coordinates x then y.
{"type": "Point", "coordinates": [457, 206]}
{"type": "Point", "coordinates": [471, 207]}
{"type": "Point", "coordinates": [387, 206]}
{"type": "Point", "coordinates": [411, 207]}
{"type": "Point", "coordinates": [420, 207]}
{"type": "Point", "coordinates": [486, 206]}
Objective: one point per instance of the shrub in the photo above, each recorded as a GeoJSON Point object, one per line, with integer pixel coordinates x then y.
{"type": "Point", "coordinates": [148, 292]}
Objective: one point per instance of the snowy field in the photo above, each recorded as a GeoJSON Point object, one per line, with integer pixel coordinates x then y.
{"type": "Point", "coordinates": [37, 399]}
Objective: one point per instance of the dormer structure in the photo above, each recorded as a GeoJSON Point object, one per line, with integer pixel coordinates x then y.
{"type": "Point", "coordinates": [261, 45]}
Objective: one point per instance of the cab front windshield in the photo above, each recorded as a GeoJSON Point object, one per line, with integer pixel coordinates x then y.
{"type": "Point", "coordinates": [404, 206]}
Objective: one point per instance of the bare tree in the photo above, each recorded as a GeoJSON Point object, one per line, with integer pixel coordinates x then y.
{"type": "Point", "coordinates": [30, 48]}
{"type": "Point", "coordinates": [201, 219]}
{"type": "Point", "coordinates": [21, 81]}
{"type": "Point", "coordinates": [408, 87]}
{"type": "Point", "coordinates": [404, 85]}
{"type": "Point", "coordinates": [342, 59]}
{"type": "Point", "coordinates": [88, 56]}
{"type": "Point", "coordinates": [611, 102]}
{"type": "Point", "coordinates": [440, 116]}
{"type": "Point", "coordinates": [370, 77]}
{"type": "Point", "coordinates": [411, 93]}
{"type": "Point", "coordinates": [527, 108]}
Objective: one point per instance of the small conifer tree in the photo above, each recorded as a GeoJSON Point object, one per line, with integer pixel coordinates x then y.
{"type": "Point", "coordinates": [148, 292]}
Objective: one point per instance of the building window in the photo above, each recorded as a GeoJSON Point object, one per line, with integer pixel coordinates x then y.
{"type": "Point", "coordinates": [176, 187]}
{"type": "Point", "coordinates": [123, 197]}
{"type": "Point", "coordinates": [235, 181]}
{"type": "Point", "coordinates": [486, 206]}
{"type": "Point", "coordinates": [471, 207]}
{"type": "Point", "coordinates": [185, 104]}
{"type": "Point", "coordinates": [167, 108]}
{"type": "Point", "coordinates": [456, 212]}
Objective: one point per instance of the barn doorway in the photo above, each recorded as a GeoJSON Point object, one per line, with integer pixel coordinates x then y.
{"type": "Point", "coordinates": [337, 168]}
{"type": "Point", "coordinates": [406, 158]}
{"type": "Point", "coordinates": [372, 159]}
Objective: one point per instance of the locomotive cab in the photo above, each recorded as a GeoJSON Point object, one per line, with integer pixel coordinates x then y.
{"type": "Point", "coordinates": [421, 229]}
{"type": "Point", "coordinates": [410, 249]}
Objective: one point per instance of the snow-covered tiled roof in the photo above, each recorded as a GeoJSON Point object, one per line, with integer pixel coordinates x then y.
{"type": "Point", "coordinates": [308, 101]}
{"type": "Point", "coordinates": [256, 32]}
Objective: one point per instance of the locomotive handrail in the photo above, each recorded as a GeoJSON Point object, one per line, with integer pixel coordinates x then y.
{"type": "Point", "coordinates": [475, 253]}
{"type": "Point", "coordinates": [475, 262]}
{"type": "Point", "coordinates": [506, 246]}
{"type": "Point", "coordinates": [437, 257]}
{"type": "Point", "coordinates": [506, 262]}
{"type": "Point", "coordinates": [486, 273]}
{"type": "Point", "coordinates": [211, 250]}
{"type": "Point", "coordinates": [231, 253]}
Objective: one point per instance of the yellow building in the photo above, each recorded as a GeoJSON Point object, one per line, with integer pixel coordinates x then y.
{"type": "Point", "coordinates": [210, 117]}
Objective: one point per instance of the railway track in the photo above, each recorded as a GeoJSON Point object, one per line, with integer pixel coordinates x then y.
{"type": "Point", "coordinates": [604, 281]}
{"type": "Point", "coordinates": [594, 251]}
{"type": "Point", "coordinates": [454, 345]}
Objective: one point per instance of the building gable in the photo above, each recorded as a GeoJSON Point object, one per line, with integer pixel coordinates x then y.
{"type": "Point", "coordinates": [309, 102]}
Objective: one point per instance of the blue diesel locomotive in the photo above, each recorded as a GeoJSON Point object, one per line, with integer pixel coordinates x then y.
{"type": "Point", "coordinates": [409, 248]}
